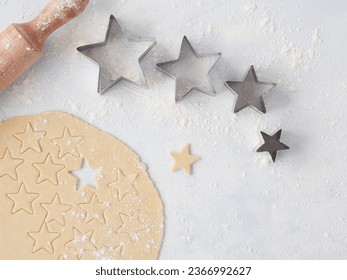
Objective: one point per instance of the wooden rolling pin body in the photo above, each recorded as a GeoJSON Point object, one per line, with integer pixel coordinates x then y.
{"type": "Point", "coordinates": [21, 45]}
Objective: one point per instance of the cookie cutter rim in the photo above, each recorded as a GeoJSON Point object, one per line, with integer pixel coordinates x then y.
{"type": "Point", "coordinates": [112, 21]}
{"type": "Point", "coordinates": [273, 155]}
{"type": "Point", "coordinates": [257, 81]}
{"type": "Point", "coordinates": [185, 40]}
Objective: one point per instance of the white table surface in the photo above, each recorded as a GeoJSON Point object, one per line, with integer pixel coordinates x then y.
{"type": "Point", "coordinates": [237, 204]}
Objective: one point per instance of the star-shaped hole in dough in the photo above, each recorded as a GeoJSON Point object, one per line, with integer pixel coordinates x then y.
{"type": "Point", "coordinates": [124, 185]}
{"type": "Point", "coordinates": [118, 58]}
{"type": "Point", "coordinates": [81, 242]}
{"type": "Point", "coordinates": [183, 160]}
{"type": "Point", "coordinates": [86, 176]}
{"type": "Point", "coordinates": [44, 239]}
{"type": "Point", "coordinates": [94, 209]}
{"type": "Point", "coordinates": [190, 70]}
{"type": "Point", "coordinates": [22, 200]}
{"type": "Point", "coordinates": [131, 225]}
{"type": "Point", "coordinates": [9, 165]}
{"type": "Point", "coordinates": [48, 170]}
{"type": "Point", "coordinates": [56, 210]}
{"type": "Point", "coordinates": [68, 144]}
{"type": "Point", "coordinates": [30, 139]}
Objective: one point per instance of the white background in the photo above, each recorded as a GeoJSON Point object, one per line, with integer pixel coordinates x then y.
{"type": "Point", "coordinates": [237, 204]}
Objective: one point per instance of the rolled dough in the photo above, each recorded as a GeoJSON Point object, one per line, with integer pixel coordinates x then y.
{"type": "Point", "coordinates": [42, 213]}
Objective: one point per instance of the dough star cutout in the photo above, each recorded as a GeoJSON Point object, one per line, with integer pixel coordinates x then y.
{"type": "Point", "coordinates": [272, 144]}
{"type": "Point", "coordinates": [183, 160]}
{"type": "Point", "coordinates": [22, 200]}
{"type": "Point", "coordinates": [118, 57]}
{"type": "Point", "coordinates": [48, 170]}
{"type": "Point", "coordinates": [56, 210]}
{"type": "Point", "coordinates": [68, 144]}
{"type": "Point", "coordinates": [190, 70]}
{"type": "Point", "coordinates": [9, 165]}
{"type": "Point", "coordinates": [81, 242]}
{"type": "Point", "coordinates": [44, 239]}
{"type": "Point", "coordinates": [250, 91]}
{"type": "Point", "coordinates": [131, 225]}
{"type": "Point", "coordinates": [124, 185]}
{"type": "Point", "coordinates": [94, 209]}
{"type": "Point", "coordinates": [30, 139]}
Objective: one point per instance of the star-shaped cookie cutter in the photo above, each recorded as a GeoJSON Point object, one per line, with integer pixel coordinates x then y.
{"type": "Point", "coordinates": [114, 56]}
{"type": "Point", "coordinates": [272, 144]}
{"type": "Point", "coordinates": [190, 70]}
{"type": "Point", "coordinates": [250, 91]}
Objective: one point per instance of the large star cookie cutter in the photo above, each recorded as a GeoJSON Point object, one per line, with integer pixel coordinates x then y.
{"type": "Point", "coordinates": [118, 57]}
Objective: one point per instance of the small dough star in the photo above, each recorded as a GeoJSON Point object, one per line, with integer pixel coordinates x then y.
{"type": "Point", "coordinates": [44, 239]}
{"type": "Point", "coordinates": [23, 200]}
{"type": "Point", "coordinates": [30, 139]}
{"type": "Point", "coordinates": [272, 144]}
{"type": "Point", "coordinates": [56, 210]}
{"type": "Point", "coordinates": [131, 225]}
{"type": "Point", "coordinates": [48, 170]}
{"type": "Point", "coordinates": [9, 165]}
{"type": "Point", "coordinates": [183, 160]}
{"type": "Point", "coordinates": [95, 209]}
{"type": "Point", "coordinates": [117, 57]}
{"type": "Point", "coordinates": [68, 144]}
{"type": "Point", "coordinates": [250, 91]}
{"type": "Point", "coordinates": [81, 242]}
{"type": "Point", "coordinates": [190, 70]}
{"type": "Point", "coordinates": [124, 185]}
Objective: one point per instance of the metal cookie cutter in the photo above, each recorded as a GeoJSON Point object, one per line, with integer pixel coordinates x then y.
{"type": "Point", "coordinates": [118, 57]}
{"type": "Point", "coordinates": [190, 70]}
{"type": "Point", "coordinates": [250, 91]}
{"type": "Point", "coordinates": [272, 144]}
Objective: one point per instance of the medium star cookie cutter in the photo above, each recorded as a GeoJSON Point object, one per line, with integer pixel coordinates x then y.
{"type": "Point", "coordinates": [118, 57]}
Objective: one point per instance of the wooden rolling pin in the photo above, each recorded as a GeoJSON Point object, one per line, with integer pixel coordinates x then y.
{"type": "Point", "coordinates": [21, 45]}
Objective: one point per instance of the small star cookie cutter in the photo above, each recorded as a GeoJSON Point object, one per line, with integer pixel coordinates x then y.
{"type": "Point", "coordinates": [250, 91]}
{"type": "Point", "coordinates": [118, 57]}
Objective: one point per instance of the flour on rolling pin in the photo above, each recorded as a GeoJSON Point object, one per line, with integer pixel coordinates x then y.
{"type": "Point", "coordinates": [21, 45]}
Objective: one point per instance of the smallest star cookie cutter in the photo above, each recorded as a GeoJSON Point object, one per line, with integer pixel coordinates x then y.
{"type": "Point", "coordinates": [272, 144]}
{"type": "Point", "coordinates": [118, 57]}
{"type": "Point", "coordinates": [250, 91]}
